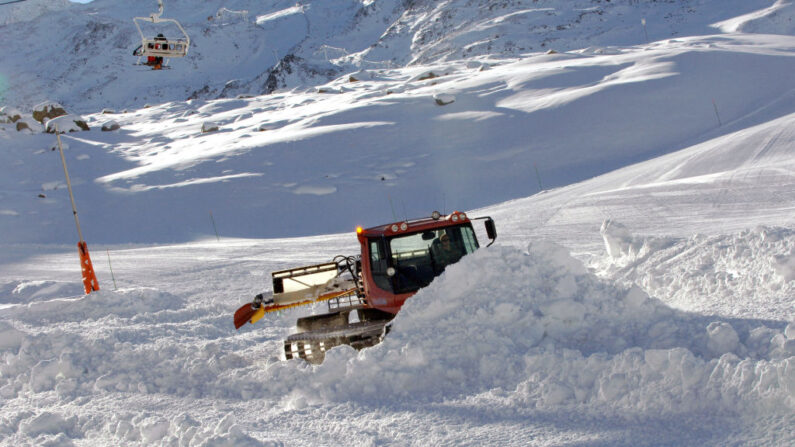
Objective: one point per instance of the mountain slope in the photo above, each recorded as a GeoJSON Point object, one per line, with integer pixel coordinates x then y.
{"type": "Point", "coordinates": [85, 62]}
{"type": "Point", "coordinates": [381, 148]}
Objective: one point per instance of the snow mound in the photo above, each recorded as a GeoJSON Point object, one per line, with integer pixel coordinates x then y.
{"type": "Point", "coordinates": [124, 303]}
{"type": "Point", "coordinates": [775, 19]}
{"type": "Point", "coordinates": [540, 327]}
{"type": "Point", "coordinates": [534, 329]}
{"type": "Point", "coordinates": [27, 291]}
{"type": "Point", "coordinates": [752, 269]}
{"type": "Point", "coordinates": [147, 429]}
{"type": "Point", "coordinates": [623, 247]}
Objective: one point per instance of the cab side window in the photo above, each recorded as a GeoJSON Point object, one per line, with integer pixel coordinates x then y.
{"type": "Point", "coordinates": [378, 264]}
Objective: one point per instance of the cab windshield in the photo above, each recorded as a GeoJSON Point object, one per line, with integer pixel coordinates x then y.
{"type": "Point", "coordinates": [419, 257]}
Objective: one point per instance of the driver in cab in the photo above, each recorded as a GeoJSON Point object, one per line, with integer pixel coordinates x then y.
{"type": "Point", "coordinates": [445, 252]}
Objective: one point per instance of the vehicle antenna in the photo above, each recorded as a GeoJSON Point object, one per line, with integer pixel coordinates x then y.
{"type": "Point", "coordinates": [394, 216]}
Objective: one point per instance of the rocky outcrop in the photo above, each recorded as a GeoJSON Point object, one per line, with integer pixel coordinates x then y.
{"type": "Point", "coordinates": [48, 110]}
{"type": "Point", "coordinates": [9, 115]}
{"type": "Point", "coordinates": [66, 123]}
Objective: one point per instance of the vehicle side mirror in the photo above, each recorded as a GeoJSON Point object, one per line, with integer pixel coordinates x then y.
{"type": "Point", "coordinates": [491, 230]}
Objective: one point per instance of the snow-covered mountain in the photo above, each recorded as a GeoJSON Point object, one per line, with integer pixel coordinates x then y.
{"type": "Point", "coordinates": [80, 55]}
{"type": "Point", "coordinates": [641, 174]}
{"type": "Point", "coordinates": [375, 145]}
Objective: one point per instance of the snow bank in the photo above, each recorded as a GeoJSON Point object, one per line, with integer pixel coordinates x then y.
{"type": "Point", "coordinates": [76, 349]}
{"type": "Point", "coordinates": [539, 327]}
{"type": "Point", "coordinates": [97, 305]}
{"type": "Point", "coordinates": [532, 329]}
{"type": "Point", "coordinates": [742, 274]}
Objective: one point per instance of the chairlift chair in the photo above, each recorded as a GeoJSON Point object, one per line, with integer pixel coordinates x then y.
{"type": "Point", "coordinates": [160, 46]}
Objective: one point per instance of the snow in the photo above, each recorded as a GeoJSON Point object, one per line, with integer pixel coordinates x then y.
{"type": "Point", "coordinates": [640, 291]}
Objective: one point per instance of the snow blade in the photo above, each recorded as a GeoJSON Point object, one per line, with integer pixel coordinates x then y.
{"type": "Point", "coordinates": [244, 314]}
{"type": "Point", "coordinates": [253, 312]}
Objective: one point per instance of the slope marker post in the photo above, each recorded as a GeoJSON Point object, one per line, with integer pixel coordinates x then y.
{"type": "Point", "coordinates": [90, 282]}
{"type": "Point", "coordinates": [212, 219]}
{"type": "Point", "coordinates": [538, 177]}
{"type": "Point", "coordinates": [111, 270]}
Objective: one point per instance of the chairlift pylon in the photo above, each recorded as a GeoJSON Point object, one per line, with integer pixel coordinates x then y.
{"type": "Point", "coordinates": [159, 47]}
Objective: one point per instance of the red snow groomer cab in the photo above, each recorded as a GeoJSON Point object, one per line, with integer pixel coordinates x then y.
{"type": "Point", "coordinates": [365, 292]}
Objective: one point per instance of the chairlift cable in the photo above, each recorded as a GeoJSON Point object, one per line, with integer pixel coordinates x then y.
{"type": "Point", "coordinates": [13, 1]}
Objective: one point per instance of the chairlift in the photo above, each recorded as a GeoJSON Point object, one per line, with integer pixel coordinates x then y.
{"type": "Point", "coordinates": [157, 48]}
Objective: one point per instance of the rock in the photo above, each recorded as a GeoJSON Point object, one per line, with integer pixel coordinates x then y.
{"type": "Point", "coordinates": [9, 115]}
{"type": "Point", "coordinates": [48, 110]}
{"type": "Point", "coordinates": [66, 123]}
{"type": "Point", "coordinates": [209, 127]}
{"type": "Point", "coordinates": [443, 99]}
{"type": "Point", "coordinates": [108, 111]}
{"type": "Point", "coordinates": [109, 126]}
{"type": "Point", "coordinates": [29, 124]}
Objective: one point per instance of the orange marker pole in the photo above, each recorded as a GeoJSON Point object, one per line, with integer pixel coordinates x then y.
{"type": "Point", "coordinates": [89, 278]}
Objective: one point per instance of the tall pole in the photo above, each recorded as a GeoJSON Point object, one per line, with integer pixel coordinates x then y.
{"type": "Point", "coordinates": [68, 184]}
{"type": "Point", "coordinates": [90, 282]}
{"type": "Point", "coordinates": [643, 21]}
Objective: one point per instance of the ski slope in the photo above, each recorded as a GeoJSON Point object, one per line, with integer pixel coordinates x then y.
{"type": "Point", "coordinates": [640, 291]}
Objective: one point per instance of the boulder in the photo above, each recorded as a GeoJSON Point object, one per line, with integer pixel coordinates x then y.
{"type": "Point", "coordinates": [209, 127]}
{"type": "Point", "coordinates": [48, 110]}
{"type": "Point", "coordinates": [66, 123]}
{"type": "Point", "coordinates": [109, 126]}
{"type": "Point", "coordinates": [443, 99]}
{"type": "Point", "coordinates": [9, 115]}
{"type": "Point", "coordinates": [29, 124]}
{"type": "Point", "coordinates": [425, 76]}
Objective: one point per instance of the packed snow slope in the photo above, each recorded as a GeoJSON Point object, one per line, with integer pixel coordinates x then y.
{"type": "Point", "coordinates": [644, 296]}
{"type": "Point", "coordinates": [376, 145]}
